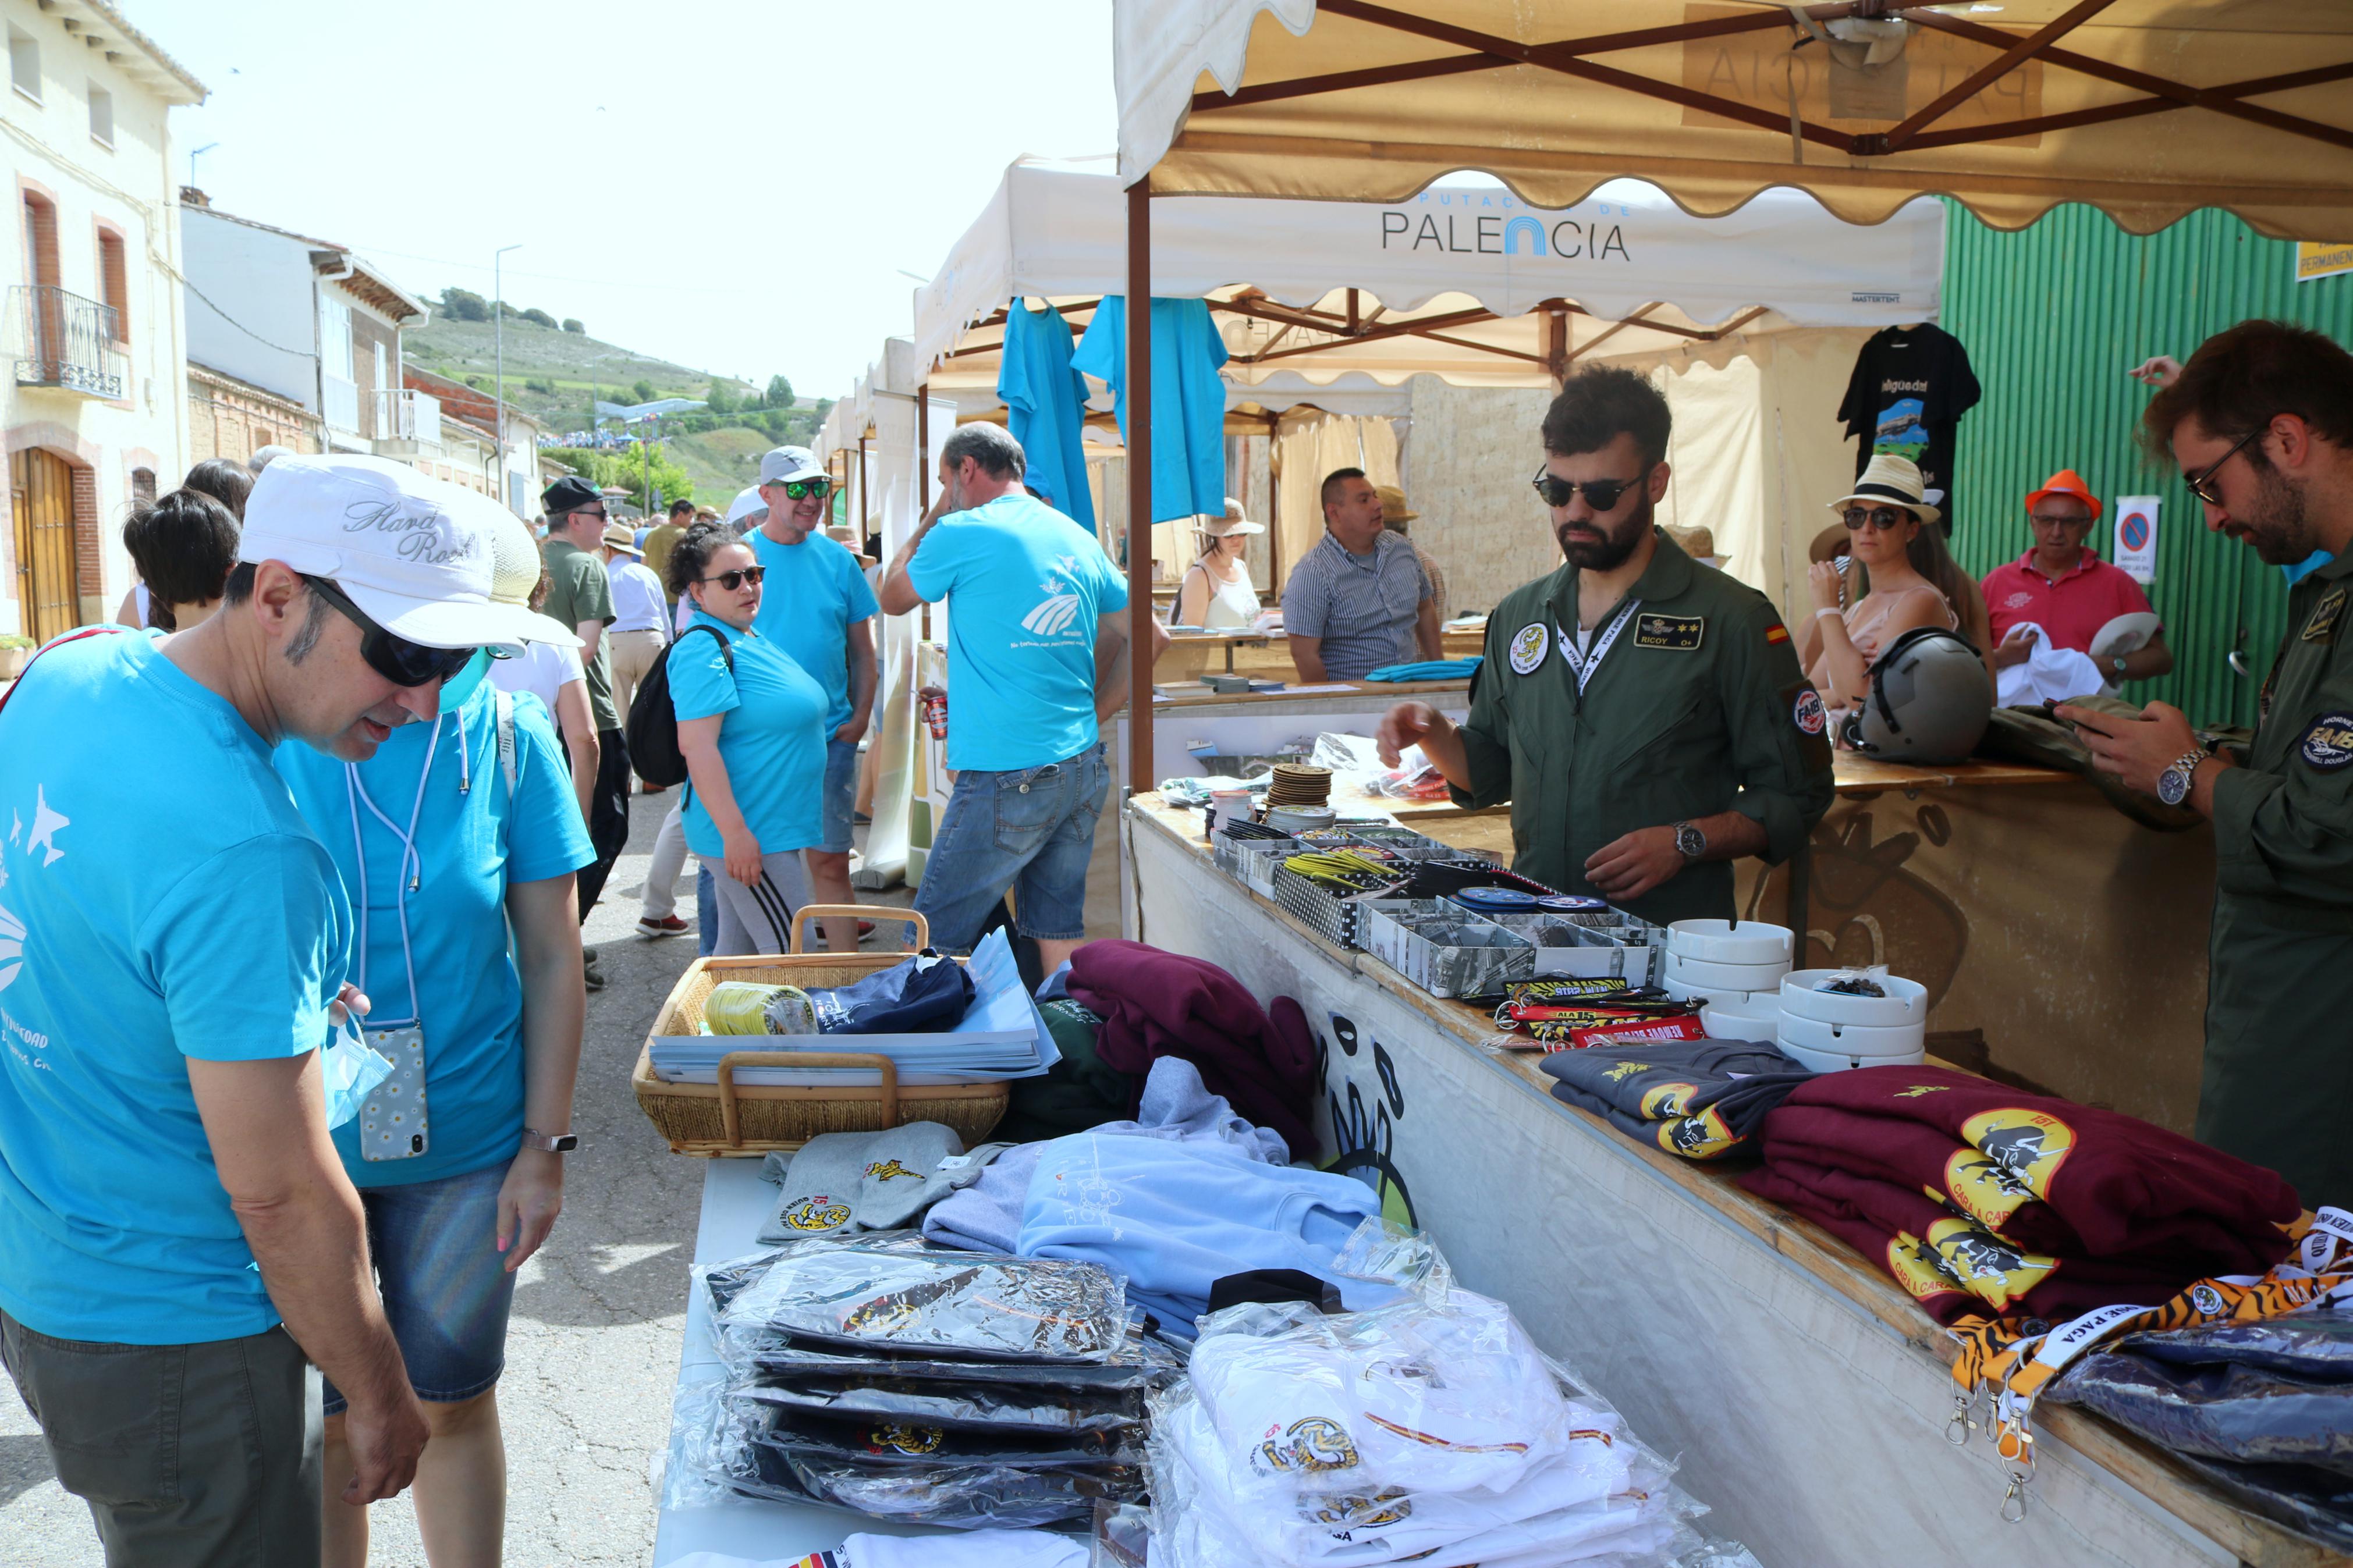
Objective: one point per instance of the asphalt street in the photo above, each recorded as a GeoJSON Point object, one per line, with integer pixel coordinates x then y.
{"type": "Point", "coordinates": [592, 1350]}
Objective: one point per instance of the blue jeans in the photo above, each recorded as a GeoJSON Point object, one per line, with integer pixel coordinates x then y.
{"type": "Point", "coordinates": [840, 796]}
{"type": "Point", "coordinates": [443, 1281]}
{"type": "Point", "coordinates": [1030, 829]}
{"type": "Point", "coordinates": [706, 911]}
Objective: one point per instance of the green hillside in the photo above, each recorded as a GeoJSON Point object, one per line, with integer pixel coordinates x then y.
{"type": "Point", "coordinates": [550, 374]}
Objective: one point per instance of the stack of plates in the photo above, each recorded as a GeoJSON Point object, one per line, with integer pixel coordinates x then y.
{"type": "Point", "coordinates": [1831, 1031]}
{"type": "Point", "coordinates": [1295, 784]}
{"type": "Point", "coordinates": [1734, 969]}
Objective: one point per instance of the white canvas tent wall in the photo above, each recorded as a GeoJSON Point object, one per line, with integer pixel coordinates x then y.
{"type": "Point", "coordinates": [1340, 304]}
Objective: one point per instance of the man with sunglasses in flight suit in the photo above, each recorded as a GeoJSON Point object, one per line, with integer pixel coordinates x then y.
{"type": "Point", "coordinates": [2260, 423]}
{"type": "Point", "coordinates": [818, 608]}
{"type": "Point", "coordinates": [1644, 714]}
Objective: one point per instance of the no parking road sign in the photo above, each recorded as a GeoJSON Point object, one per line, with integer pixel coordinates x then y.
{"type": "Point", "coordinates": [2137, 536]}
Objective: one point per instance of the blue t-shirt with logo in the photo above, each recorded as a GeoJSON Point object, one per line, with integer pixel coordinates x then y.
{"type": "Point", "coordinates": [813, 594]}
{"type": "Point", "coordinates": [772, 739]}
{"type": "Point", "coordinates": [472, 842]}
{"type": "Point", "coordinates": [159, 898]}
{"type": "Point", "coordinates": [1024, 584]}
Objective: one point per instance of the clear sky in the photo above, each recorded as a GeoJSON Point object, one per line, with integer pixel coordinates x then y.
{"type": "Point", "coordinates": [733, 185]}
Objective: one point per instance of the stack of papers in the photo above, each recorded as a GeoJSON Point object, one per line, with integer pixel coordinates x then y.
{"type": "Point", "coordinates": [1001, 1036]}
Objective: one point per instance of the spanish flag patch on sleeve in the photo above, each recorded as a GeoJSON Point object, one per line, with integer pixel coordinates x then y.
{"type": "Point", "coordinates": [1774, 633]}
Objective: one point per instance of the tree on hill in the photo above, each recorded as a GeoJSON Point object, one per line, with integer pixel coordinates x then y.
{"type": "Point", "coordinates": [539, 319]}
{"type": "Point", "coordinates": [572, 325]}
{"type": "Point", "coordinates": [719, 399]}
{"type": "Point", "coordinates": [780, 393]}
{"type": "Point", "coordinates": [464, 305]}
{"type": "Point", "coordinates": [645, 391]}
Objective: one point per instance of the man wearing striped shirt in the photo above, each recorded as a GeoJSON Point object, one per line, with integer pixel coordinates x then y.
{"type": "Point", "coordinates": [1359, 600]}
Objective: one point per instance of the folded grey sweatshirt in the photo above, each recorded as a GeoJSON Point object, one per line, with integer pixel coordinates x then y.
{"type": "Point", "coordinates": [868, 1181]}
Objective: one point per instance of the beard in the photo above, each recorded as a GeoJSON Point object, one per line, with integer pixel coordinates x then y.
{"type": "Point", "coordinates": [2279, 532]}
{"type": "Point", "coordinates": [1610, 550]}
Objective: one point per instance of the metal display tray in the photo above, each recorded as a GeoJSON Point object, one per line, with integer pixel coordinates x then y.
{"type": "Point", "coordinates": [1252, 861]}
{"type": "Point", "coordinates": [1619, 951]}
{"type": "Point", "coordinates": [1329, 916]}
{"type": "Point", "coordinates": [1476, 956]}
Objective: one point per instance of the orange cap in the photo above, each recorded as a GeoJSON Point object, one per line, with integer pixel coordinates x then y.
{"type": "Point", "coordinates": [2065, 482]}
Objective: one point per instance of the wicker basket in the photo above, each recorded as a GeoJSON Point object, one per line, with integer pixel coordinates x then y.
{"type": "Point", "coordinates": [712, 1119]}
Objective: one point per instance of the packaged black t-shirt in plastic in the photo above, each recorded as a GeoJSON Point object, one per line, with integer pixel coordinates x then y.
{"type": "Point", "coordinates": [958, 1496]}
{"type": "Point", "coordinates": [903, 1443]}
{"type": "Point", "coordinates": [1012, 1408]}
{"type": "Point", "coordinates": [926, 995]}
{"type": "Point", "coordinates": [882, 1301]}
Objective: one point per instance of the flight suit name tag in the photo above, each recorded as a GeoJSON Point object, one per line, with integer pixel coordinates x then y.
{"type": "Point", "coordinates": [1681, 633]}
{"type": "Point", "coordinates": [2322, 626]}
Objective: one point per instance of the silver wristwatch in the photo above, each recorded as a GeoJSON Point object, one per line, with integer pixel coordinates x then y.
{"type": "Point", "coordinates": [550, 1142]}
{"type": "Point", "coordinates": [2180, 775]}
{"type": "Point", "coordinates": [1690, 842]}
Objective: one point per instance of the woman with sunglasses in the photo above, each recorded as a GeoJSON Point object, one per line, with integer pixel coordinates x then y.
{"type": "Point", "coordinates": [751, 724]}
{"type": "Point", "coordinates": [1913, 582]}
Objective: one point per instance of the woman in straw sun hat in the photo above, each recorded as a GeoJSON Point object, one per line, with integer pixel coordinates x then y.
{"type": "Point", "coordinates": [1914, 582]}
{"type": "Point", "coordinates": [1216, 593]}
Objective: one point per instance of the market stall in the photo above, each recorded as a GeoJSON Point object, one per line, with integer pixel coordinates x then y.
{"type": "Point", "coordinates": [1809, 1395]}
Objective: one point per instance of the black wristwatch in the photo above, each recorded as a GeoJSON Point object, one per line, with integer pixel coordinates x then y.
{"type": "Point", "coordinates": [1690, 842]}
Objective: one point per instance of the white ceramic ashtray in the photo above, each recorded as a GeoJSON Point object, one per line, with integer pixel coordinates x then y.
{"type": "Point", "coordinates": [1730, 941]}
{"type": "Point", "coordinates": [1831, 1061]}
{"type": "Point", "coordinates": [1904, 1002]}
{"type": "Point", "coordinates": [1876, 1041]}
{"type": "Point", "coordinates": [1724, 976]}
{"type": "Point", "coordinates": [1724, 1022]}
{"type": "Point", "coordinates": [1750, 1001]}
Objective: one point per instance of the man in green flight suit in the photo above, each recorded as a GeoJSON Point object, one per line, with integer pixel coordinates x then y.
{"type": "Point", "coordinates": [1644, 714]}
{"type": "Point", "coordinates": [2261, 422]}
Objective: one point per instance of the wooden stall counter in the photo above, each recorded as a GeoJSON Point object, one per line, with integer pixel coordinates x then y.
{"type": "Point", "coordinates": [1806, 1393]}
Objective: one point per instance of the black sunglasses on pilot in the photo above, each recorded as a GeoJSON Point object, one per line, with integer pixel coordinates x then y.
{"type": "Point", "coordinates": [398, 660]}
{"type": "Point", "coordinates": [731, 581]}
{"type": "Point", "coordinates": [1601, 495]}
{"type": "Point", "coordinates": [2201, 483]}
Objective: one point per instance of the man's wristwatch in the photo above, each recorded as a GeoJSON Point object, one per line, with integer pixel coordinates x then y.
{"type": "Point", "coordinates": [1690, 842]}
{"type": "Point", "coordinates": [2174, 784]}
{"type": "Point", "coordinates": [550, 1142]}
{"type": "Point", "coordinates": [2117, 664]}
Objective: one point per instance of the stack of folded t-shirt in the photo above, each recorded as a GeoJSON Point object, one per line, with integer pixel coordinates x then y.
{"type": "Point", "coordinates": [1983, 1201]}
{"type": "Point", "coordinates": [1701, 1098]}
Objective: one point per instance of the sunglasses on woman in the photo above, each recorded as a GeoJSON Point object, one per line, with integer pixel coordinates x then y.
{"type": "Point", "coordinates": [797, 489]}
{"type": "Point", "coordinates": [731, 581]}
{"type": "Point", "coordinates": [2201, 483]}
{"type": "Point", "coordinates": [1885, 518]}
{"type": "Point", "coordinates": [398, 660]}
{"type": "Point", "coordinates": [1601, 495]}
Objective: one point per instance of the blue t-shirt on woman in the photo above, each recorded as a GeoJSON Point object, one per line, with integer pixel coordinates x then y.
{"type": "Point", "coordinates": [773, 738]}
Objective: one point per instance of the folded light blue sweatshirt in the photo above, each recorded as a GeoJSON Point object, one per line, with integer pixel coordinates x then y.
{"type": "Point", "coordinates": [1429, 669]}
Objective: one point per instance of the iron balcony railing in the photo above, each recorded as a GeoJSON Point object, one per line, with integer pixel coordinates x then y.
{"type": "Point", "coordinates": [64, 340]}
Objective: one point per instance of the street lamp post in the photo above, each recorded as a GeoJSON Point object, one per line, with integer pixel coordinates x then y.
{"type": "Point", "coordinates": [499, 336]}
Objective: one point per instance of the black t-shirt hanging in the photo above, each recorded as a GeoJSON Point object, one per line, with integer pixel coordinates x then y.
{"type": "Point", "coordinates": [1910, 387]}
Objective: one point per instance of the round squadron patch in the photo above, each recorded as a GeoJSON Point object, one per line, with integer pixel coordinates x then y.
{"type": "Point", "coordinates": [1529, 646]}
{"type": "Point", "coordinates": [1808, 714]}
{"type": "Point", "coordinates": [2328, 744]}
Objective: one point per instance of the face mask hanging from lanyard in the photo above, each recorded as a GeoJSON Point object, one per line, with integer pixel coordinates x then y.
{"type": "Point", "coordinates": [392, 1113]}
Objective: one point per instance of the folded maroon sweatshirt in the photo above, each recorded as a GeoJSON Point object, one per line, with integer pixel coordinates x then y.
{"type": "Point", "coordinates": [1917, 1155]}
{"type": "Point", "coordinates": [1156, 1004]}
{"type": "Point", "coordinates": [1932, 1251]}
{"type": "Point", "coordinates": [2117, 1181]}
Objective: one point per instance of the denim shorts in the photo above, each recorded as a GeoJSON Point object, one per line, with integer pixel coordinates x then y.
{"type": "Point", "coordinates": [445, 1282]}
{"type": "Point", "coordinates": [841, 796]}
{"type": "Point", "coordinates": [1029, 829]}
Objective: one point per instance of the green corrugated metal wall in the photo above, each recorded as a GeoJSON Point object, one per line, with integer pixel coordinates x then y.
{"type": "Point", "coordinates": [2052, 316]}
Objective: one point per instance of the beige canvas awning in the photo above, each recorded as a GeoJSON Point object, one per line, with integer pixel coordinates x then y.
{"type": "Point", "coordinates": [2146, 109]}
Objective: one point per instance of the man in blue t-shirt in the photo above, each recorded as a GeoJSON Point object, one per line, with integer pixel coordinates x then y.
{"type": "Point", "coordinates": [177, 1236]}
{"type": "Point", "coordinates": [1037, 658]}
{"type": "Point", "coordinates": [817, 608]}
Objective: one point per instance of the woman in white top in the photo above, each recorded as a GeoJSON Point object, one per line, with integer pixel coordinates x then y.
{"type": "Point", "coordinates": [554, 676]}
{"type": "Point", "coordinates": [1215, 594]}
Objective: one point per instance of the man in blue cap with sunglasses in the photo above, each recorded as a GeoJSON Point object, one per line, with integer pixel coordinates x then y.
{"type": "Point", "coordinates": [179, 1244]}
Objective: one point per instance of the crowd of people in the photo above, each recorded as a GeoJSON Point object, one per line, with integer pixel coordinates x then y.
{"type": "Point", "coordinates": [293, 1013]}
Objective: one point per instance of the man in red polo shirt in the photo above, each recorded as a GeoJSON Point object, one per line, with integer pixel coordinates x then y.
{"type": "Point", "coordinates": [2064, 587]}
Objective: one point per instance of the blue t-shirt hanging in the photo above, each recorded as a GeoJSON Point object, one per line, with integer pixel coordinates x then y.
{"type": "Point", "coordinates": [1045, 404]}
{"type": "Point", "coordinates": [1024, 586]}
{"type": "Point", "coordinates": [472, 842]}
{"type": "Point", "coordinates": [813, 594]}
{"type": "Point", "coordinates": [1189, 400]}
{"type": "Point", "coordinates": [772, 738]}
{"type": "Point", "coordinates": [160, 899]}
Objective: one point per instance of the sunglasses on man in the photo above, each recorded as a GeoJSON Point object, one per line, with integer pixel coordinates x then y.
{"type": "Point", "coordinates": [398, 660]}
{"type": "Point", "coordinates": [1885, 518]}
{"type": "Point", "coordinates": [2201, 483]}
{"type": "Point", "coordinates": [731, 581]}
{"type": "Point", "coordinates": [1601, 495]}
{"type": "Point", "coordinates": [799, 489]}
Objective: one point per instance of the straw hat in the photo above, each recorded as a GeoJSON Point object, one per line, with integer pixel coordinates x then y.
{"type": "Point", "coordinates": [1393, 507]}
{"type": "Point", "coordinates": [1891, 480]}
{"type": "Point", "coordinates": [1232, 523]}
{"type": "Point", "coordinates": [1697, 540]}
{"type": "Point", "coordinates": [515, 565]}
{"type": "Point", "coordinates": [622, 537]}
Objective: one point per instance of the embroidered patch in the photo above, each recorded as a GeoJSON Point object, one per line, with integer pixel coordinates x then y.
{"type": "Point", "coordinates": [1681, 633]}
{"type": "Point", "coordinates": [1774, 633]}
{"type": "Point", "coordinates": [2322, 626]}
{"type": "Point", "coordinates": [2328, 744]}
{"type": "Point", "coordinates": [1529, 644]}
{"type": "Point", "coordinates": [2018, 600]}
{"type": "Point", "coordinates": [819, 1213]}
{"type": "Point", "coordinates": [1808, 713]}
